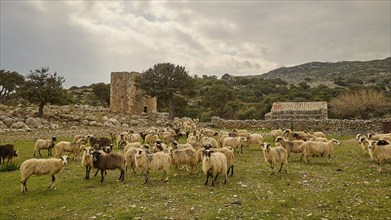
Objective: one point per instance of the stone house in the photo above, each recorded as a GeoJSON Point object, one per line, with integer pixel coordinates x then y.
{"type": "Point", "coordinates": [125, 98]}
{"type": "Point", "coordinates": [298, 110]}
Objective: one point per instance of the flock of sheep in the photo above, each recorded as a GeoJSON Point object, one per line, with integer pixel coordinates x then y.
{"type": "Point", "coordinates": [158, 149]}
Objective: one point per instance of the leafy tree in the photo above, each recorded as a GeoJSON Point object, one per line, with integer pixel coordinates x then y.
{"type": "Point", "coordinates": [42, 88]}
{"type": "Point", "coordinates": [215, 97]}
{"type": "Point", "coordinates": [9, 83]}
{"type": "Point", "coordinates": [164, 81]}
{"type": "Point", "coordinates": [102, 93]}
{"type": "Point", "coordinates": [363, 104]}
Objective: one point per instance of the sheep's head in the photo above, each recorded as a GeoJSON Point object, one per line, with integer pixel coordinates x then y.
{"type": "Point", "coordinates": [266, 146]}
{"type": "Point", "coordinates": [278, 139]}
{"type": "Point", "coordinates": [372, 144]}
{"type": "Point", "coordinates": [207, 146]}
{"type": "Point", "coordinates": [15, 154]}
{"type": "Point", "coordinates": [287, 132]}
{"type": "Point", "coordinates": [54, 138]}
{"type": "Point", "coordinates": [64, 159]}
{"type": "Point", "coordinates": [361, 140]}
{"type": "Point", "coordinates": [336, 141]}
{"type": "Point", "coordinates": [207, 153]}
{"type": "Point", "coordinates": [96, 156]}
{"type": "Point", "coordinates": [107, 149]}
{"type": "Point", "coordinates": [359, 136]}
{"type": "Point", "coordinates": [138, 153]}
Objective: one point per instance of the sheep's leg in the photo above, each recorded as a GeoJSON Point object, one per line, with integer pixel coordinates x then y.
{"type": "Point", "coordinates": [207, 178]}
{"type": "Point", "coordinates": [282, 164]}
{"type": "Point", "coordinates": [302, 155]}
{"type": "Point", "coordinates": [145, 177]}
{"type": "Point", "coordinates": [225, 178]}
{"type": "Point", "coordinates": [165, 176]}
{"type": "Point", "coordinates": [272, 169]}
{"type": "Point", "coordinates": [232, 170]}
{"type": "Point", "coordinates": [102, 175]}
{"type": "Point", "coordinates": [39, 151]}
{"type": "Point", "coordinates": [87, 173]}
{"type": "Point", "coordinates": [33, 154]}
{"type": "Point", "coordinates": [23, 185]}
{"type": "Point", "coordinates": [52, 183]}
{"type": "Point", "coordinates": [379, 167]}
{"type": "Point", "coordinates": [49, 153]}
{"type": "Point", "coordinates": [122, 175]}
{"type": "Point", "coordinates": [96, 172]}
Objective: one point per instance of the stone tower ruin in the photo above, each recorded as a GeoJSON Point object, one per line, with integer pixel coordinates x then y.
{"type": "Point", "coordinates": [125, 98]}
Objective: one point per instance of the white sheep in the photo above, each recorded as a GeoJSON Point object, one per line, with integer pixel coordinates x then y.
{"type": "Point", "coordinates": [229, 153]}
{"type": "Point", "coordinates": [376, 137]}
{"type": "Point", "coordinates": [129, 157]}
{"type": "Point", "coordinates": [277, 132]}
{"type": "Point", "coordinates": [132, 145]}
{"type": "Point", "coordinates": [183, 156]}
{"type": "Point", "coordinates": [314, 148]}
{"type": "Point", "coordinates": [318, 134]}
{"type": "Point", "coordinates": [254, 139]}
{"type": "Point", "coordinates": [239, 133]}
{"type": "Point", "coordinates": [159, 146]}
{"type": "Point", "coordinates": [86, 161]}
{"type": "Point", "coordinates": [290, 146]}
{"type": "Point", "coordinates": [70, 147]}
{"type": "Point", "coordinates": [213, 164]}
{"type": "Point", "coordinates": [155, 161]}
{"type": "Point", "coordinates": [151, 138]}
{"type": "Point", "coordinates": [235, 142]}
{"type": "Point", "coordinates": [209, 132]}
{"type": "Point", "coordinates": [381, 154]}
{"type": "Point", "coordinates": [39, 167]}
{"type": "Point", "coordinates": [274, 156]}
{"type": "Point", "coordinates": [41, 144]}
{"type": "Point", "coordinates": [211, 141]}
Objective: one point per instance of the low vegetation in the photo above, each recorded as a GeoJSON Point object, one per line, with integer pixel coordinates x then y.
{"type": "Point", "coordinates": [347, 186]}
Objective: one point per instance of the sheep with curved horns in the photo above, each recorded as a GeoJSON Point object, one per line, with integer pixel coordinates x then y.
{"type": "Point", "coordinates": [381, 154]}
{"type": "Point", "coordinates": [274, 156]}
{"type": "Point", "coordinates": [213, 164]}
{"type": "Point", "coordinates": [313, 148]}
{"type": "Point", "coordinates": [39, 167]}
{"type": "Point", "coordinates": [156, 161]}
{"type": "Point", "coordinates": [41, 144]}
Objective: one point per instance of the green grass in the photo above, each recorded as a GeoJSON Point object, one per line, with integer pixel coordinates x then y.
{"type": "Point", "coordinates": [346, 187]}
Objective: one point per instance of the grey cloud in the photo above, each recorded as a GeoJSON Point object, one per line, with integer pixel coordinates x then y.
{"type": "Point", "coordinates": [85, 41]}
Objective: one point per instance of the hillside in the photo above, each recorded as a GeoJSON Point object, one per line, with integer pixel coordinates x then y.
{"type": "Point", "coordinates": [376, 72]}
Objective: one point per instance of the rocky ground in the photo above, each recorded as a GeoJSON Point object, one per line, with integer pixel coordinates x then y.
{"type": "Point", "coordinates": [20, 123]}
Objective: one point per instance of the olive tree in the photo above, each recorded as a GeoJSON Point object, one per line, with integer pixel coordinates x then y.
{"type": "Point", "coordinates": [42, 87]}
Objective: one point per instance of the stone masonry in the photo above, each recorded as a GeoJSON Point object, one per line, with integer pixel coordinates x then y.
{"type": "Point", "coordinates": [298, 110]}
{"type": "Point", "coordinates": [125, 98]}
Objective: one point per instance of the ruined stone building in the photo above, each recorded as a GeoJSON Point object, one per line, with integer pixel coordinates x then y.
{"type": "Point", "coordinates": [125, 98]}
{"type": "Point", "coordinates": [298, 110]}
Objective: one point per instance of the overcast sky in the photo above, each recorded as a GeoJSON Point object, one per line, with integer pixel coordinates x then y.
{"type": "Point", "coordinates": [85, 41]}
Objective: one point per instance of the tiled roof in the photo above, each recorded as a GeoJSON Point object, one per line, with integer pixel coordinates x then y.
{"type": "Point", "coordinates": [298, 106]}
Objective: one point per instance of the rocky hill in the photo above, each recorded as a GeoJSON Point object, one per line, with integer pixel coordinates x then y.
{"type": "Point", "coordinates": [376, 72]}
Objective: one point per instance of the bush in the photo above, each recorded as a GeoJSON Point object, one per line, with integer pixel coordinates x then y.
{"type": "Point", "coordinates": [8, 167]}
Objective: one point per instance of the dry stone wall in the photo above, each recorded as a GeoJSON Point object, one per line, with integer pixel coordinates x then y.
{"type": "Point", "coordinates": [327, 125]}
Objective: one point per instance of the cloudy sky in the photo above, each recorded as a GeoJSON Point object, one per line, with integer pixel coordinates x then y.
{"type": "Point", "coordinates": [86, 41]}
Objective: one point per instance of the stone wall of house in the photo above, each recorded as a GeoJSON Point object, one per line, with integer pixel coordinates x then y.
{"type": "Point", "coordinates": [326, 125]}
{"type": "Point", "coordinates": [125, 98]}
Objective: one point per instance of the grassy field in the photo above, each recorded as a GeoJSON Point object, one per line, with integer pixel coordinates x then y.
{"type": "Point", "coordinates": [347, 186]}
